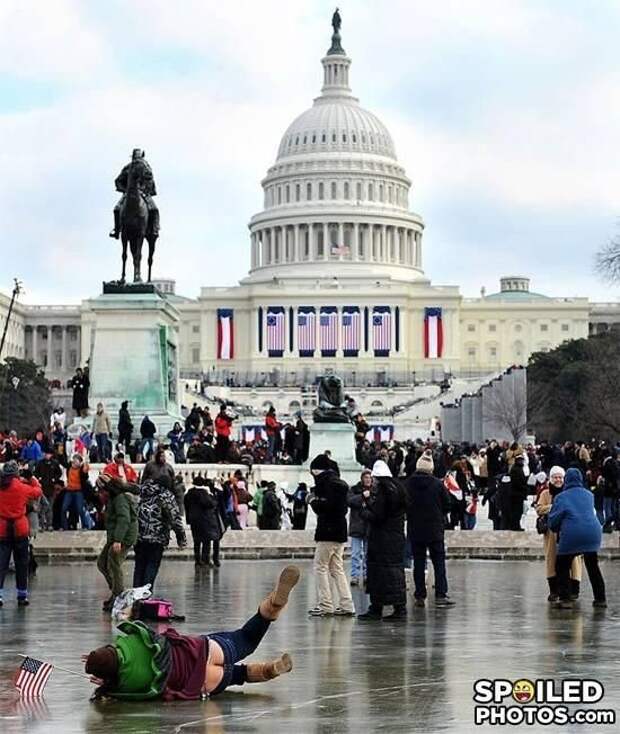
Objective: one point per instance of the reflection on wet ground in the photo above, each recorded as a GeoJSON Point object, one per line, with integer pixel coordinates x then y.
{"type": "Point", "coordinates": [348, 677]}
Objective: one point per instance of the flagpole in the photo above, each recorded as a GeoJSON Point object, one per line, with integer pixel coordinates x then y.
{"type": "Point", "coordinates": [57, 667]}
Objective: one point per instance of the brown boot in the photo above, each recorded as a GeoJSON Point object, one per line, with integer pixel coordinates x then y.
{"type": "Point", "coordinates": [271, 607]}
{"type": "Point", "coordinates": [260, 672]}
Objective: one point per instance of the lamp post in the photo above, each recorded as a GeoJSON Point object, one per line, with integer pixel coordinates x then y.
{"type": "Point", "coordinates": [17, 289]}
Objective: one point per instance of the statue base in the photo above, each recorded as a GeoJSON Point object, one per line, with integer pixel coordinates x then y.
{"type": "Point", "coordinates": [115, 287]}
{"type": "Point", "coordinates": [134, 355]}
{"type": "Point", "coordinates": [339, 439]}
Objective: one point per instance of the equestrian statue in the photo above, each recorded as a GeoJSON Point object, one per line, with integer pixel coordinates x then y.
{"type": "Point", "coordinates": [136, 216]}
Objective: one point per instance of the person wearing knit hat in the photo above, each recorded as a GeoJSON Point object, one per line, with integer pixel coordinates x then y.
{"type": "Point", "coordinates": [144, 665]}
{"type": "Point", "coordinates": [329, 503]}
{"type": "Point", "coordinates": [550, 539]}
{"type": "Point", "coordinates": [425, 463]}
{"type": "Point", "coordinates": [15, 494]}
{"type": "Point", "coordinates": [428, 503]}
{"type": "Point", "coordinates": [383, 508]}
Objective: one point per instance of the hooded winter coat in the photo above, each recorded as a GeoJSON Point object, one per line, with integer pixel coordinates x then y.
{"type": "Point", "coordinates": [121, 520]}
{"type": "Point", "coordinates": [572, 516]}
{"type": "Point", "coordinates": [330, 505]}
{"type": "Point", "coordinates": [201, 513]}
{"type": "Point", "coordinates": [158, 514]}
{"type": "Point", "coordinates": [384, 511]}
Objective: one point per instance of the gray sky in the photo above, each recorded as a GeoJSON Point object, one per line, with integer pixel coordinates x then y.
{"type": "Point", "coordinates": [505, 115]}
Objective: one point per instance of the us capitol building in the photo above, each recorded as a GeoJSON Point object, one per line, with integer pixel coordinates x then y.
{"type": "Point", "coordinates": [336, 279]}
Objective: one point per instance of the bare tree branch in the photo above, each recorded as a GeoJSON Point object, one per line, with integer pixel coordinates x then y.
{"type": "Point", "coordinates": [607, 261]}
{"type": "Point", "coordinates": [507, 411]}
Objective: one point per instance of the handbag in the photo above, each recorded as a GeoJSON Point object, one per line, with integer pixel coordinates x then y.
{"type": "Point", "coordinates": [542, 524]}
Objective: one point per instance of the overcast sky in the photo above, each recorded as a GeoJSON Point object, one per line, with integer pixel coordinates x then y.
{"type": "Point", "coordinates": [506, 116]}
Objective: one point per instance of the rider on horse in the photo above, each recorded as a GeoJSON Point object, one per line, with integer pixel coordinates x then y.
{"type": "Point", "coordinates": [146, 185]}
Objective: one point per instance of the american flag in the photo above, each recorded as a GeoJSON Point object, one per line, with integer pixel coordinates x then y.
{"type": "Point", "coordinates": [328, 330]}
{"type": "Point", "coordinates": [306, 331]}
{"type": "Point", "coordinates": [275, 330]}
{"type": "Point", "coordinates": [32, 677]}
{"type": "Point", "coordinates": [382, 331]}
{"type": "Point", "coordinates": [351, 330]}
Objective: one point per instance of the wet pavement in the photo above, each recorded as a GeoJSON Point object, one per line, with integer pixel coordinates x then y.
{"type": "Point", "coordinates": [348, 676]}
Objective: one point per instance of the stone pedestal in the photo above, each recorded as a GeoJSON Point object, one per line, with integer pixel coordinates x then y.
{"type": "Point", "coordinates": [134, 356]}
{"type": "Point", "coordinates": [339, 439]}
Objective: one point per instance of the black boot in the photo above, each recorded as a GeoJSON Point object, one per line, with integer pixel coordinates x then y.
{"type": "Point", "coordinates": [553, 589]}
{"type": "Point", "coordinates": [374, 613]}
{"type": "Point", "coordinates": [399, 613]}
{"type": "Point", "coordinates": [574, 589]}
{"type": "Point", "coordinates": [117, 225]}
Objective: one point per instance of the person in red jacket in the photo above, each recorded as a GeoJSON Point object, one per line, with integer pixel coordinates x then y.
{"type": "Point", "coordinates": [223, 425]}
{"type": "Point", "coordinates": [15, 494]}
{"type": "Point", "coordinates": [273, 427]}
{"type": "Point", "coordinates": [120, 470]}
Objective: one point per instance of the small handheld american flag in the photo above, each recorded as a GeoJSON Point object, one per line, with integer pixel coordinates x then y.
{"type": "Point", "coordinates": [32, 677]}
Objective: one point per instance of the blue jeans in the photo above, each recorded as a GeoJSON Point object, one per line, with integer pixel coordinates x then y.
{"type": "Point", "coordinates": [147, 562]}
{"type": "Point", "coordinates": [437, 553]}
{"type": "Point", "coordinates": [609, 510]}
{"type": "Point", "coordinates": [150, 442]}
{"type": "Point", "coordinates": [236, 646]}
{"type": "Point", "coordinates": [271, 445]}
{"type": "Point", "coordinates": [103, 446]}
{"type": "Point", "coordinates": [75, 501]}
{"type": "Point", "coordinates": [469, 521]}
{"type": "Point", "coordinates": [359, 549]}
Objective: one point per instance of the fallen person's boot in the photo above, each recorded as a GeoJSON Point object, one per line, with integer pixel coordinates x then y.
{"type": "Point", "coordinates": [260, 672]}
{"type": "Point", "coordinates": [271, 607]}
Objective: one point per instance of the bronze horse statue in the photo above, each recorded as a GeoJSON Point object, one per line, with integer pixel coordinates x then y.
{"type": "Point", "coordinates": [134, 223]}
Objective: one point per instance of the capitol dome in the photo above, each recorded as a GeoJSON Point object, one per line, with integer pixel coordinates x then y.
{"type": "Point", "coordinates": [336, 193]}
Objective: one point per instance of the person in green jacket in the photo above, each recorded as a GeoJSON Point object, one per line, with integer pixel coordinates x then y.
{"type": "Point", "coordinates": [122, 532]}
{"type": "Point", "coordinates": [257, 503]}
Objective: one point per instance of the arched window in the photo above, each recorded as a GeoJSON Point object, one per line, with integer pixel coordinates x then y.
{"type": "Point", "coordinates": [334, 137]}
{"type": "Point", "coordinates": [346, 190]}
{"type": "Point", "coordinates": [333, 190]}
{"type": "Point", "coordinates": [321, 191]}
{"type": "Point", "coordinates": [288, 194]}
{"type": "Point", "coordinates": [309, 192]}
{"type": "Point", "coordinates": [279, 194]}
{"type": "Point", "coordinates": [371, 192]}
{"type": "Point", "coordinates": [297, 192]}
{"type": "Point", "coordinates": [380, 192]}
{"type": "Point", "coordinates": [359, 191]}
{"type": "Point", "coordinates": [324, 138]}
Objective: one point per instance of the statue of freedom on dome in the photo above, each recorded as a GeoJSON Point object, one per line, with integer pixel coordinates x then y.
{"type": "Point", "coordinates": [336, 47]}
{"type": "Point", "coordinates": [336, 21]}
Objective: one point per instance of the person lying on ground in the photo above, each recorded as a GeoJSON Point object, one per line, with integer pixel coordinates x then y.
{"type": "Point", "coordinates": [143, 665]}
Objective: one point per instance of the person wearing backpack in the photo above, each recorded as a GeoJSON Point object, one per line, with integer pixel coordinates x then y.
{"type": "Point", "coordinates": [272, 508]}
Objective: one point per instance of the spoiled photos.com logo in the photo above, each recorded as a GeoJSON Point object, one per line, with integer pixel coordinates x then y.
{"type": "Point", "coordinates": [542, 702]}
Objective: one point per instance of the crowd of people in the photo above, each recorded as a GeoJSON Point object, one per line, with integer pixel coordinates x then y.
{"type": "Point", "coordinates": [408, 494]}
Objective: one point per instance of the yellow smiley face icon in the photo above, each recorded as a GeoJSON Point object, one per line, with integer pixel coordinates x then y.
{"type": "Point", "coordinates": [523, 690]}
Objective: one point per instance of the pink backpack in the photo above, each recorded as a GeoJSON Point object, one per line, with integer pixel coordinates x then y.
{"type": "Point", "coordinates": [156, 610]}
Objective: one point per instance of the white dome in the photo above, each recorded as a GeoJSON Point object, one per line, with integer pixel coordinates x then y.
{"type": "Point", "coordinates": [336, 125]}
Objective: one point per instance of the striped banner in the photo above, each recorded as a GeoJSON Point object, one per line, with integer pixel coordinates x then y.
{"type": "Point", "coordinates": [379, 434]}
{"type": "Point", "coordinates": [276, 332]}
{"type": "Point", "coordinates": [225, 336]}
{"type": "Point", "coordinates": [351, 322]}
{"type": "Point", "coordinates": [306, 331]}
{"type": "Point", "coordinates": [328, 330]}
{"type": "Point", "coordinates": [433, 333]}
{"type": "Point", "coordinates": [381, 331]}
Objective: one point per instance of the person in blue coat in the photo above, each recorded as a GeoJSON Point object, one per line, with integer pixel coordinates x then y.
{"type": "Point", "coordinates": [573, 517]}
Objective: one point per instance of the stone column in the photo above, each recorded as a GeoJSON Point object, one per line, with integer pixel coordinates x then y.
{"type": "Point", "coordinates": [64, 358]}
{"type": "Point", "coordinates": [356, 244]}
{"type": "Point", "coordinates": [296, 252]}
{"type": "Point", "coordinates": [383, 244]}
{"type": "Point", "coordinates": [34, 345]}
{"type": "Point", "coordinates": [325, 241]}
{"type": "Point", "coordinates": [50, 335]}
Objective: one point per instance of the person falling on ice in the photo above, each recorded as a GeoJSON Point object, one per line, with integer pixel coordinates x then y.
{"type": "Point", "coordinates": [142, 664]}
